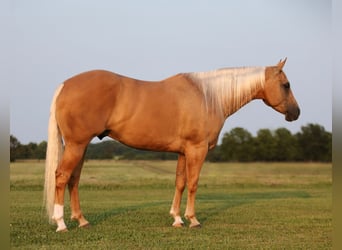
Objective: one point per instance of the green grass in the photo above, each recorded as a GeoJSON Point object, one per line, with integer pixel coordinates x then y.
{"type": "Point", "coordinates": [240, 206]}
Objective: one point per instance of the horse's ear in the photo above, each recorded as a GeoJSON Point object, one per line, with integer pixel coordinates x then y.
{"type": "Point", "coordinates": [281, 64]}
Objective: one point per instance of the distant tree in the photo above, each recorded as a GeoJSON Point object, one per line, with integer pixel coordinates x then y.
{"type": "Point", "coordinates": [286, 145]}
{"type": "Point", "coordinates": [26, 151]}
{"type": "Point", "coordinates": [14, 144]}
{"type": "Point", "coordinates": [237, 145]}
{"type": "Point", "coordinates": [40, 151]}
{"type": "Point", "coordinates": [312, 143]}
{"type": "Point", "coordinates": [265, 146]}
{"type": "Point", "coordinates": [215, 154]}
{"type": "Point", "coordinates": [102, 150]}
{"type": "Point", "coordinates": [315, 143]}
{"type": "Point", "coordinates": [32, 149]}
{"type": "Point", "coordinates": [22, 152]}
{"type": "Point", "coordinates": [113, 149]}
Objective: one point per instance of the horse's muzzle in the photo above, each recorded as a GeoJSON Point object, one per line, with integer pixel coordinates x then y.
{"type": "Point", "coordinates": [292, 114]}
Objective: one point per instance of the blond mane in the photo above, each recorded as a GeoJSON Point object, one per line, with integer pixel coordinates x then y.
{"type": "Point", "coordinates": [226, 90]}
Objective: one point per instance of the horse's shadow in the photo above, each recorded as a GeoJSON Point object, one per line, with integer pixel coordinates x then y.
{"type": "Point", "coordinates": [99, 217]}
{"type": "Point", "coordinates": [240, 199]}
{"type": "Point", "coordinates": [223, 201]}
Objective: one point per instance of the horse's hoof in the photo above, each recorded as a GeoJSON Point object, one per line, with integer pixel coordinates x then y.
{"type": "Point", "coordinates": [178, 224]}
{"type": "Point", "coordinates": [87, 225]}
{"type": "Point", "coordinates": [61, 230]}
{"type": "Point", "coordinates": [195, 225]}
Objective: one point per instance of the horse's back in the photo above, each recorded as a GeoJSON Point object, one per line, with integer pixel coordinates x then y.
{"type": "Point", "coordinates": [156, 115]}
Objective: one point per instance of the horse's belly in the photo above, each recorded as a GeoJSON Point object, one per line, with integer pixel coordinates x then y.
{"type": "Point", "coordinates": [148, 135]}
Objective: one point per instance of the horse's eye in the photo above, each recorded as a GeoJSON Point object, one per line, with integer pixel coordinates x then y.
{"type": "Point", "coordinates": [287, 85]}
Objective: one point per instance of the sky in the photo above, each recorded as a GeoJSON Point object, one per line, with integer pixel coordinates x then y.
{"type": "Point", "coordinates": [51, 41]}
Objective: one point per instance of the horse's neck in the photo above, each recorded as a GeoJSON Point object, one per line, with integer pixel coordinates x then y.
{"type": "Point", "coordinates": [227, 90]}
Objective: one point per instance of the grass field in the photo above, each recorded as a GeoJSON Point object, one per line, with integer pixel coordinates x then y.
{"type": "Point", "coordinates": [240, 206]}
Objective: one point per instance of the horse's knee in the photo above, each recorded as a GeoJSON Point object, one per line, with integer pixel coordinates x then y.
{"type": "Point", "coordinates": [180, 182]}
{"type": "Point", "coordinates": [180, 185]}
{"type": "Point", "coordinates": [192, 187]}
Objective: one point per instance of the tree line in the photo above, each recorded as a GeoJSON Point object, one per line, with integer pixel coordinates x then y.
{"type": "Point", "coordinates": [311, 143]}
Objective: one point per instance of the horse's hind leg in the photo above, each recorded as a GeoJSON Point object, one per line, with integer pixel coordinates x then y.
{"type": "Point", "coordinates": [72, 156]}
{"type": "Point", "coordinates": [76, 213]}
{"type": "Point", "coordinates": [180, 185]}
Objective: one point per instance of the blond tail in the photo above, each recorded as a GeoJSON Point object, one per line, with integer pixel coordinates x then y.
{"type": "Point", "coordinates": [54, 153]}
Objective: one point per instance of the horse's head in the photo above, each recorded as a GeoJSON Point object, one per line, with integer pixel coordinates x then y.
{"type": "Point", "coordinates": [277, 92]}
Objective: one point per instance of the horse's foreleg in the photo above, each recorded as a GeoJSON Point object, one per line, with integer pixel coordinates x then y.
{"type": "Point", "coordinates": [76, 213]}
{"type": "Point", "coordinates": [71, 157]}
{"type": "Point", "coordinates": [194, 162]}
{"type": "Point", "coordinates": [180, 185]}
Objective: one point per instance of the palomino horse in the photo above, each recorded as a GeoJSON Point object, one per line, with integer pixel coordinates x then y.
{"type": "Point", "coordinates": [182, 114]}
